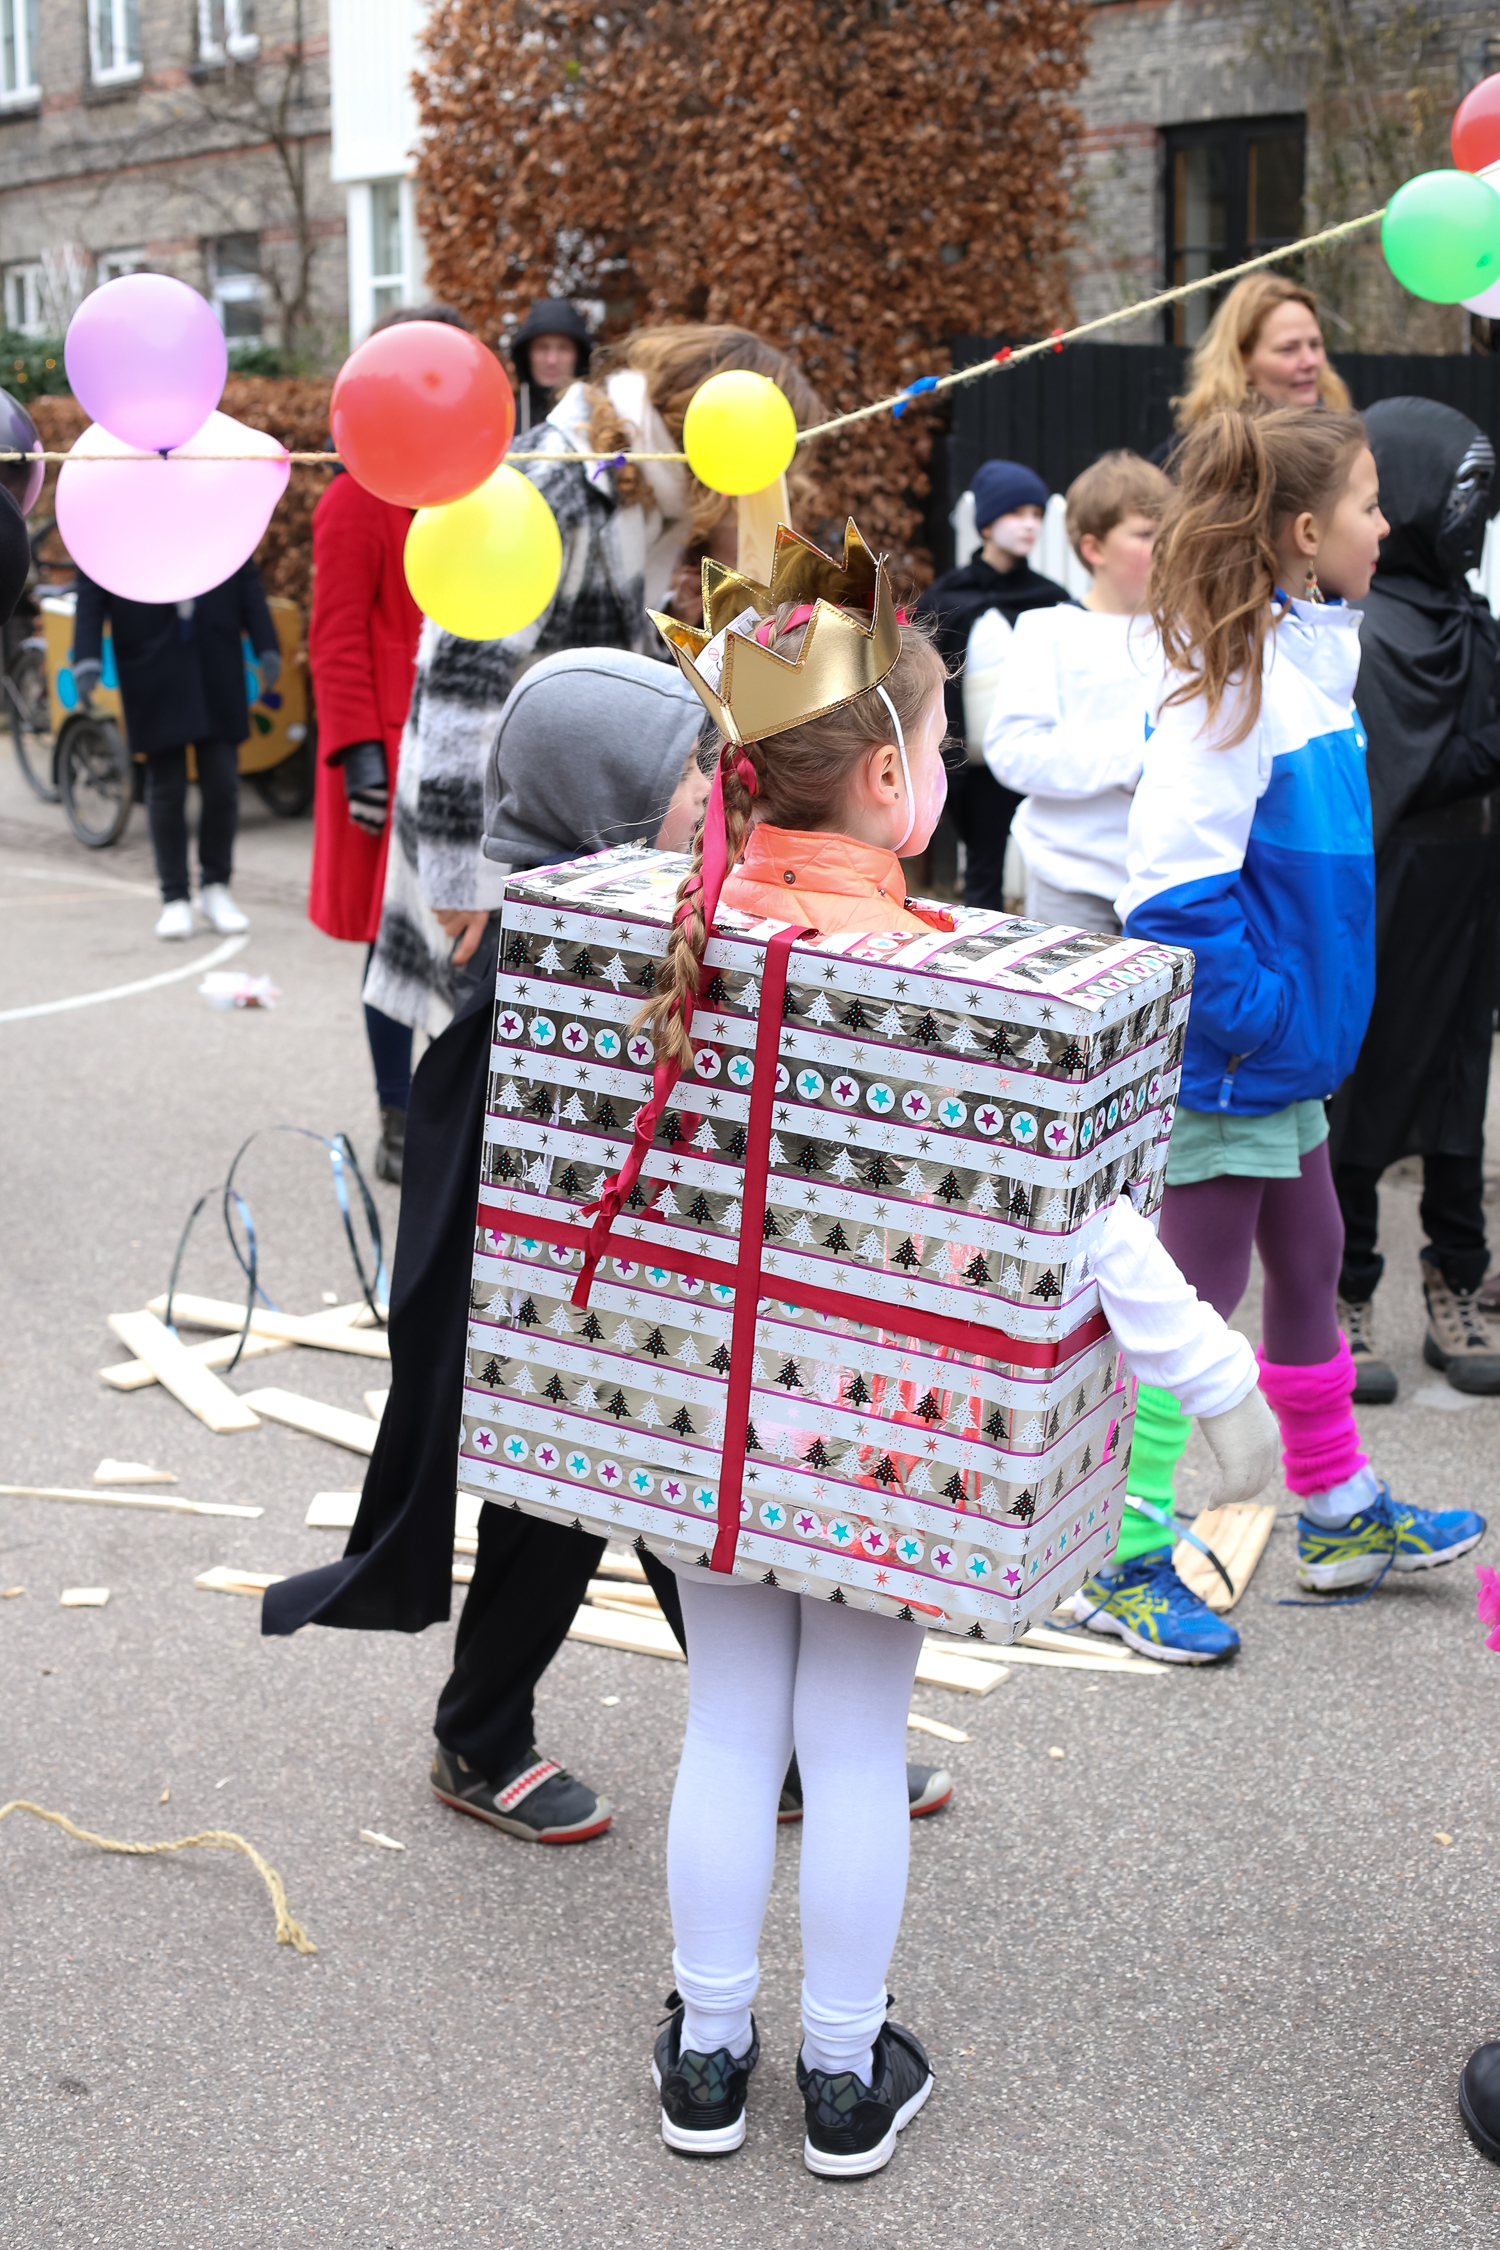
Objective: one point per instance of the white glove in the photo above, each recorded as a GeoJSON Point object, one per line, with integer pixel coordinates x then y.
{"type": "Point", "coordinates": [1244, 1442]}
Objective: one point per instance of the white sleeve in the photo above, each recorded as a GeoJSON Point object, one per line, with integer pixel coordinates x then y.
{"type": "Point", "coordinates": [1167, 1336]}
{"type": "Point", "coordinates": [1031, 745]}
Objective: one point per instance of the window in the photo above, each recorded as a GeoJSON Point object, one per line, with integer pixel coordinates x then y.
{"type": "Point", "coordinates": [234, 272]}
{"type": "Point", "coordinates": [110, 264]}
{"type": "Point", "coordinates": [26, 300]}
{"type": "Point", "coordinates": [226, 31]}
{"type": "Point", "coordinates": [114, 41]}
{"type": "Point", "coordinates": [387, 264]}
{"type": "Point", "coordinates": [18, 80]}
{"type": "Point", "coordinates": [1234, 189]}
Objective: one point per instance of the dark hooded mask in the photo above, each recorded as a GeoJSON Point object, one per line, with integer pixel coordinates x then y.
{"type": "Point", "coordinates": [1467, 510]}
{"type": "Point", "coordinates": [1437, 475]}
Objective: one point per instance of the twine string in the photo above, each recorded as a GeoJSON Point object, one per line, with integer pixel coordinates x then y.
{"type": "Point", "coordinates": [289, 1931]}
{"type": "Point", "coordinates": [929, 386]}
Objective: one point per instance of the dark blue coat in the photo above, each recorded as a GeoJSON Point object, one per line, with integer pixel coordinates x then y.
{"type": "Point", "coordinates": [182, 679]}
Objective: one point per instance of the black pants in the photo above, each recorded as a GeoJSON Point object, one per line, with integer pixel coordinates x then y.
{"type": "Point", "coordinates": [166, 813]}
{"type": "Point", "coordinates": [1452, 1218]}
{"type": "Point", "coordinates": [982, 812]}
{"type": "Point", "coordinates": [529, 1576]}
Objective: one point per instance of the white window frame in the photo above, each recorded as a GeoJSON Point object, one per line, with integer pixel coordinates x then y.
{"type": "Point", "coordinates": [236, 289]}
{"type": "Point", "coordinates": [109, 265]}
{"type": "Point", "coordinates": [120, 66]}
{"type": "Point", "coordinates": [410, 283]}
{"type": "Point", "coordinates": [28, 281]}
{"type": "Point", "coordinates": [18, 31]}
{"type": "Point", "coordinates": [234, 39]}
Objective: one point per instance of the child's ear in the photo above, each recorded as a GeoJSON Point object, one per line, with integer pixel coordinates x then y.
{"type": "Point", "coordinates": [1090, 561]}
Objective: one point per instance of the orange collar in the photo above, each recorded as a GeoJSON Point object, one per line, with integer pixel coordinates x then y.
{"type": "Point", "coordinates": [797, 859]}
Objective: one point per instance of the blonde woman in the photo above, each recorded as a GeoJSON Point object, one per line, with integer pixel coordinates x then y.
{"type": "Point", "coordinates": [1264, 342]}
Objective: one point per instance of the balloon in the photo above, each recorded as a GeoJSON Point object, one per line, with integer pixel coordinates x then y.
{"type": "Point", "coordinates": [486, 565]}
{"type": "Point", "coordinates": [421, 414]}
{"type": "Point", "coordinates": [158, 530]}
{"type": "Point", "coordinates": [147, 358]}
{"type": "Point", "coordinates": [1476, 127]}
{"type": "Point", "coordinates": [1441, 236]}
{"type": "Point", "coordinates": [21, 479]}
{"type": "Point", "coordinates": [739, 432]}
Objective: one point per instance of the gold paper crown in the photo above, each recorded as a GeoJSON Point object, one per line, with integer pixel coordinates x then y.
{"type": "Point", "coordinates": [842, 654]}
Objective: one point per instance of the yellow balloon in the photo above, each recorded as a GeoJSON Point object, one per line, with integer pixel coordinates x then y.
{"type": "Point", "coordinates": [486, 565]}
{"type": "Point", "coordinates": [739, 432]}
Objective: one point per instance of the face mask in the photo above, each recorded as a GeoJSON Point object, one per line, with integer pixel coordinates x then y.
{"type": "Point", "coordinates": [911, 802]}
{"type": "Point", "coordinates": [1460, 538]}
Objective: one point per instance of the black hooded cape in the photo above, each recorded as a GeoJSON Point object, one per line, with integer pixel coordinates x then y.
{"type": "Point", "coordinates": [1427, 696]}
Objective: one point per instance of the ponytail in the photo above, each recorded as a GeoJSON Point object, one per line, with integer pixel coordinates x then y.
{"type": "Point", "coordinates": [1240, 479]}
{"type": "Point", "coordinates": [668, 1016]}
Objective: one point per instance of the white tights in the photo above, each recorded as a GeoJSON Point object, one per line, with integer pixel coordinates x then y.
{"type": "Point", "coordinates": [767, 1669]}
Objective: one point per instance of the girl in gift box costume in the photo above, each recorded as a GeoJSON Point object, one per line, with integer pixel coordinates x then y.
{"type": "Point", "coordinates": [1250, 843]}
{"type": "Point", "coordinates": [830, 710]}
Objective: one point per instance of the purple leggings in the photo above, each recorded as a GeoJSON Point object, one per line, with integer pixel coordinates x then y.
{"type": "Point", "coordinates": [1297, 1228]}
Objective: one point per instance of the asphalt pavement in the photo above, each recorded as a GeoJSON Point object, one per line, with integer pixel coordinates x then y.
{"type": "Point", "coordinates": [1207, 1979]}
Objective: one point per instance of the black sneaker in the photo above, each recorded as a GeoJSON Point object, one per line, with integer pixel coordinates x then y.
{"type": "Point", "coordinates": [536, 1800]}
{"type": "Point", "coordinates": [1479, 2099]}
{"type": "Point", "coordinates": [928, 1789]}
{"type": "Point", "coordinates": [702, 2096]}
{"type": "Point", "coordinates": [852, 2127]}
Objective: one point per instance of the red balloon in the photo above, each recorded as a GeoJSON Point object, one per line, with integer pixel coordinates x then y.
{"type": "Point", "coordinates": [421, 414]}
{"type": "Point", "coordinates": [1476, 127]}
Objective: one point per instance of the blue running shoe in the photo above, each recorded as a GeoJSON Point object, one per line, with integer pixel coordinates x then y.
{"type": "Point", "coordinates": [1147, 1605]}
{"type": "Point", "coordinates": [1387, 1536]}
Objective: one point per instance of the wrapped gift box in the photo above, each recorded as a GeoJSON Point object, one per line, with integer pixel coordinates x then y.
{"type": "Point", "coordinates": [952, 1116]}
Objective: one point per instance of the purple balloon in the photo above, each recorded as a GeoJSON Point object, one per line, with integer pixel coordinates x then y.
{"type": "Point", "coordinates": [147, 359]}
{"type": "Point", "coordinates": [23, 480]}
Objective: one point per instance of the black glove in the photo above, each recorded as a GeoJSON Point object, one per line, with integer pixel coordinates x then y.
{"type": "Point", "coordinates": [268, 662]}
{"type": "Point", "coordinates": [86, 677]}
{"type": "Point", "coordinates": [367, 785]}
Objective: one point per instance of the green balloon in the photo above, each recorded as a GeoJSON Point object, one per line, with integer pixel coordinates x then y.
{"type": "Point", "coordinates": [1441, 236]}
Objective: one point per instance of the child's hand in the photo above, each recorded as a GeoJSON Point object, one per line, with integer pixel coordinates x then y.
{"type": "Point", "coordinates": [467, 925]}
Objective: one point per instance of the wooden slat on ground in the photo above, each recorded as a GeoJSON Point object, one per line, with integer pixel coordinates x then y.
{"type": "Point", "coordinates": [218, 1351]}
{"type": "Point", "coordinates": [333, 1331]}
{"type": "Point", "coordinates": [228, 1578]}
{"type": "Point", "coordinates": [335, 1423]}
{"type": "Point", "coordinates": [195, 1386]}
{"type": "Point", "coordinates": [1237, 1535]}
{"type": "Point", "coordinates": [157, 1500]}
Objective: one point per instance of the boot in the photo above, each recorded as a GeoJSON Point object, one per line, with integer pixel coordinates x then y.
{"type": "Point", "coordinates": [1459, 1339]}
{"type": "Point", "coordinates": [1374, 1381]}
{"type": "Point", "coordinates": [392, 1147]}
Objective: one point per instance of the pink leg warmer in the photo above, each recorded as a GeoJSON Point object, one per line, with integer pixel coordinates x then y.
{"type": "Point", "coordinates": [1319, 1440]}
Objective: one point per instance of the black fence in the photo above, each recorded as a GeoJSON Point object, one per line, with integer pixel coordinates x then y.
{"type": "Point", "coordinates": [1060, 412]}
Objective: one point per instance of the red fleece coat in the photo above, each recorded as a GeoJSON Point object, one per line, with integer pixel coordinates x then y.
{"type": "Point", "coordinates": [362, 647]}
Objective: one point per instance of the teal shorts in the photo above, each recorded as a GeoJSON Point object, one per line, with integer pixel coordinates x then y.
{"type": "Point", "coordinates": [1207, 1146]}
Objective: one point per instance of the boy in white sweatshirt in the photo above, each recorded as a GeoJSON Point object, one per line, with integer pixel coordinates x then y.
{"type": "Point", "coordinates": [1067, 727]}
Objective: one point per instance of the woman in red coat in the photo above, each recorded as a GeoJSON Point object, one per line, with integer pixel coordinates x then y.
{"type": "Point", "coordinates": [362, 647]}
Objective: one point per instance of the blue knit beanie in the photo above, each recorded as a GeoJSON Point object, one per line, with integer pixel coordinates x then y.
{"type": "Point", "coordinates": [1000, 487]}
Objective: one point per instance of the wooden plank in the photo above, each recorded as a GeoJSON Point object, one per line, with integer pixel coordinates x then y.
{"type": "Point", "coordinates": [642, 1636]}
{"type": "Point", "coordinates": [191, 1383]}
{"type": "Point", "coordinates": [331, 1331]}
{"type": "Point", "coordinates": [1097, 1660]}
{"type": "Point", "coordinates": [620, 1594]}
{"type": "Point", "coordinates": [228, 1578]}
{"type": "Point", "coordinates": [169, 1505]}
{"type": "Point", "coordinates": [936, 1668]}
{"type": "Point", "coordinates": [131, 1472]}
{"type": "Point", "coordinates": [332, 1511]}
{"type": "Point", "coordinates": [335, 1423]}
{"type": "Point", "coordinates": [618, 1562]}
{"type": "Point", "coordinates": [1238, 1536]}
{"type": "Point", "coordinates": [375, 1403]}
{"type": "Point", "coordinates": [923, 1725]}
{"type": "Point", "coordinates": [84, 1597]}
{"type": "Point", "coordinates": [135, 1375]}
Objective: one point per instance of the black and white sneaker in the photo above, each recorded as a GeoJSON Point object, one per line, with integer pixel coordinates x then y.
{"type": "Point", "coordinates": [928, 1789]}
{"type": "Point", "coordinates": [537, 1800]}
{"type": "Point", "coordinates": [702, 2096]}
{"type": "Point", "coordinates": [852, 2127]}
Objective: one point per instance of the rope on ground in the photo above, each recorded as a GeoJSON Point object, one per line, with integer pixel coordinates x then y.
{"type": "Point", "coordinates": [934, 385]}
{"type": "Point", "coordinates": [288, 1930]}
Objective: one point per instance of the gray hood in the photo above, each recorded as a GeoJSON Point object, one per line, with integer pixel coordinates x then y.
{"type": "Point", "coordinates": [587, 753]}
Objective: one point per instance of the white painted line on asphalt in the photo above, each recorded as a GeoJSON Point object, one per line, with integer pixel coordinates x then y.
{"type": "Point", "coordinates": [194, 968]}
{"type": "Point", "coordinates": [81, 875]}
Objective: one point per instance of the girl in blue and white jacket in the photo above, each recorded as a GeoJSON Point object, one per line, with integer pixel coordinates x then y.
{"type": "Point", "coordinates": [1250, 843]}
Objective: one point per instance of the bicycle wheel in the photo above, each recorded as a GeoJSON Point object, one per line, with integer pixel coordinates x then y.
{"type": "Point", "coordinates": [24, 686]}
{"type": "Point", "coordinates": [95, 779]}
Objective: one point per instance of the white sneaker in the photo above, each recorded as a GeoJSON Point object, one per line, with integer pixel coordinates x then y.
{"type": "Point", "coordinates": [176, 920]}
{"type": "Point", "coordinates": [219, 910]}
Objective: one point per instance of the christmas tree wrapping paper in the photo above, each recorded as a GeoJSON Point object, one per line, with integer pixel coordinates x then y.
{"type": "Point", "coordinates": [871, 1366]}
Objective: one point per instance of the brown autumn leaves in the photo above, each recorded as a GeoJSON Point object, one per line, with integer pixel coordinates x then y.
{"type": "Point", "coordinates": [857, 182]}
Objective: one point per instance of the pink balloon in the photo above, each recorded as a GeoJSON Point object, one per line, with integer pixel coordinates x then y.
{"type": "Point", "coordinates": [146, 357]}
{"type": "Point", "coordinates": [156, 530]}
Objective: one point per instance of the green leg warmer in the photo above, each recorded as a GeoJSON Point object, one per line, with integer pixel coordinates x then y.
{"type": "Point", "coordinates": [1161, 1433]}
